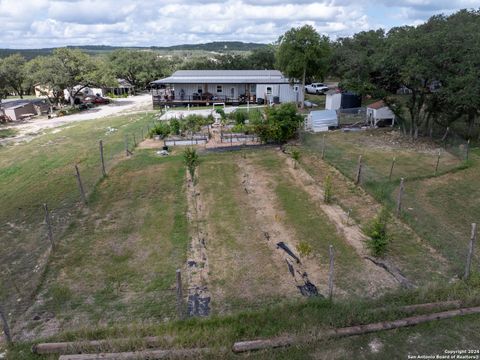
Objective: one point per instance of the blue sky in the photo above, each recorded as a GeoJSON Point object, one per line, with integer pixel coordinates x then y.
{"type": "Point", "coordinates": [49, 23]}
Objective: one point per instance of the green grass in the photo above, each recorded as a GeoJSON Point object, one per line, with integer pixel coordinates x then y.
{"type": "Point", "coordinates": [299, 318]}
{"type": "Point", "coordinates": [116, 263]}
{"type": "Point", "coordinates": [438, 208]}
{"type": "Point", "coordinates": [6, 133]}
{"type": "Point", "coordinates": [42, 171]}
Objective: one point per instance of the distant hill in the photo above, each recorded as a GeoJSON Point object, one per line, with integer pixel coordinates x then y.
{"type": "Point", "coordinates": [218, 46]}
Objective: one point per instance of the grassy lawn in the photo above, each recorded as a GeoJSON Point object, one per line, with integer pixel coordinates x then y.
{"type": "Point", "coordinates": [42, 171]}
{"type": "Point", "coordinates": [6, 133]}
{"type": "Point", "coordinates": [116, 262]}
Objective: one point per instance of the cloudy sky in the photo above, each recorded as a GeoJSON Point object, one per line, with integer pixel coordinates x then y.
{"type": "Point", "coordinates": [49, 23]}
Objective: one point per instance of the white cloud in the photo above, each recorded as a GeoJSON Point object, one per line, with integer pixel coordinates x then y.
{"type": "Point", "coordinates": [42, 23]}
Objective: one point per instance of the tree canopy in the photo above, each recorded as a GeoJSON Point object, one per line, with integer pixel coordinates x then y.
{"type": "Point", "coordinates": [303, 53]}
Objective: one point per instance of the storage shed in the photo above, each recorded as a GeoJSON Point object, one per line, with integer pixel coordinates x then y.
{"type": "Point", "coordinates": [338, 100]}
{"type": "Point", "coordinates": [18, 110]}
{"type": "Point", "coordinates": [322, 120]}
{"type": "Point", "coordinates": [379, 114]}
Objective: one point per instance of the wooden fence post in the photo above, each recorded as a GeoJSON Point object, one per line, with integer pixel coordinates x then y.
{"type": "Point", "coordinates": [473, 238]}
{"type": "Point", "coordinates": [330, 272]}
{"type": "Point", "coordinates": [6, 328]}
{"type": "Point", "coordinates": [467, 150]}
{"type": "Point", "coordinates": [80, 185]}
{"type": "Point", "coordinates": [399, 199]}
{"type": "Point", "coordinates": [179, 295]}
{"type": "Point", "coordinates": [49, 225]}
{"type": "Point", "coordinates": [391, 169]}
{"type": "Point", "coordinates": [438, 162]}
{"type": "Point", "coordinates": [323, 147]}
{"type": "Point", "coordinates": [126, 146]}
{"type": "Point", "coordinates": [134, 141]}
{"type": "Point", "coordinates": [359, 171]}
{"type": "Point", "coordinates": [104, 172]}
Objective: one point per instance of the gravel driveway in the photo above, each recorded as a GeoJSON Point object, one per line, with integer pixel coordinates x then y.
{"type": "Point", "coordinates": [27, 130]}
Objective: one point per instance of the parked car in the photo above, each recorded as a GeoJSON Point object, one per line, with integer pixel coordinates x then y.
{"type": "Point", "coordinates": [316, 88]}
{"type": "Point", "coordinates": [95, 100]}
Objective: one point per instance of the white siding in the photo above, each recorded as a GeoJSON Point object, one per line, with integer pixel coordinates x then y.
{"type": "Point", "coordinates": [285, 92]}
{"type": "Point", "coordinates": [333, 101]}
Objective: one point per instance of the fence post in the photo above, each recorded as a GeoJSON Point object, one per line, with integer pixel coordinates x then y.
{"type": "Point", "coordinates": [400, 195]}
{"type": "Point", "coordinates": [104, 172]}
{"type": "Point", "coordinates": [438, 162]}
{"type": "Point", "coordinates": [359, 171]}
{"type": "Point", "coordinates": [473, 238]}
{"type": "Point", "coordinates": [80, 185]}
{"type": "Point", "coordinates": [179, 295]}
{"type": "Point", "coordinates": [142, 134]}
{"type": "Point", "coordinates": [134, 141]}
{"type": "Point", "coordinates": [6, 329]}
{"type": "Point", "coordinates": [49, 225]}
{"type": "Point", "coordinates": [126, 145]}
{"type": "Point", "coordinates": [467, 150]}
{"type": "Point", "coordinates": [330, 272]}
{"type": "Point", "coordinates": [323, 147]}
{"type": "Point", "coordinates": [391, 169]}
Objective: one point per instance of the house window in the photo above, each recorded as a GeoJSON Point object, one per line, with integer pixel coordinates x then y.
{"type": "Point", "coordinates": [253, 88]}
{"type": "Point", "coordinates": [219, 88]}
{"type": "Point", "coordinates": [269, 90]}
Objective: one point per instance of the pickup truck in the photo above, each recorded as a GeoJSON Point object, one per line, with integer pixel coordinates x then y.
{"type": "Point", "coordinates": [316, 88]}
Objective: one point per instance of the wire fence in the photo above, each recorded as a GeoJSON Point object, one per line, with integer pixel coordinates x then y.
{"type": "Point", "coordinates": [386, 165]}
{"type": "Point", "coordinates": [33, 230]}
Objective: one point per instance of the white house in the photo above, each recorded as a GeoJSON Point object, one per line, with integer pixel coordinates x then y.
{"type": "Point", "coordinates": [200, 87]}
{"type": "Point", "coordinates": [379, 114]}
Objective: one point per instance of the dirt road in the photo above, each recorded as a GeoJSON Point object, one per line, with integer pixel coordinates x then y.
{"type": "Point", "coordinates": [27, 130]}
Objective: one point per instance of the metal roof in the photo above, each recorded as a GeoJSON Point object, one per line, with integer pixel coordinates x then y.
{"type": "Point", "coordinates": [224, 77]}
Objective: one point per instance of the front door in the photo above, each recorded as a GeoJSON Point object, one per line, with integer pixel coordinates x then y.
{"type": "Point", "coordinates": [232, 93]}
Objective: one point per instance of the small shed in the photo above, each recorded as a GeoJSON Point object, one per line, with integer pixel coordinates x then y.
{"type": "Point", "coordinates": [379, 114]}
{"type": "Point", "coordinates": [17, 111]}
{"type": "Point", "coordinates": [322, 120]}
{"type": "Point", "coordinates": [342, 100]}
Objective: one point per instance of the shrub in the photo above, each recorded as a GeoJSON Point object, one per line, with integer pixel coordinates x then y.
{"type": "Point", "coordinates": [304, 248]}
{"type": "Point", "coordinates": [190, 157]}
{"type": "Point", "coordinates": [377, 231]}
{"type": "Point", "coordinates": [175, 126]}
{"type": "Point", "coordinates": [295, 157]}
{"type": "Point", "coordinates": [161, 128]}
{"type": "Point", "coordinates": [281, 124]}
{"type": "Point", "coordinates": [328, 189]}
{"type": "Point", "coordinates": [240, 117]}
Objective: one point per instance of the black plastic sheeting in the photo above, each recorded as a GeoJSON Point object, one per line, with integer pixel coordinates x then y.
{"type": "Point", "coordinates": [308, 289]}
{"type": "Point", "coordinates": [285, 248]}
{"type": "Point", "coordinates": [198, 305]}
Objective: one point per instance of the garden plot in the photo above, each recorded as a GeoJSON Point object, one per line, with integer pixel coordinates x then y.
{"type": "Point", "coordinates": [316, 226]}
{"type": "Point", "coordinates": [116, 264]}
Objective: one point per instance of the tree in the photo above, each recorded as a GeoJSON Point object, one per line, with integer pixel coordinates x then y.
{"type": "Point", "coordinates": [12, 70]}
{"type": "Point", "coordinates": [262, 58]}
{"type": "Point", "coordinates": [139, 68]}
{"type": "Point", "coordinates": [303, 53]}
{"type": "Point", "coordinates": [281, 124]}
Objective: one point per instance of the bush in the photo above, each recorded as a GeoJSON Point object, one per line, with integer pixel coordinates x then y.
{"type": "Point", "coordinates": [175, 126]}
{"type": "Point", "coordinates": [240, 117]}
{"type": "Point", "coordinates": [190, 157]}
{"type": "Point", "coordinates": [295, 157]}
{"type": "Point", "coordinates": [281, 124]}
{"type": "Point", "coordinates": [377, 231]}
{"type": "Point", "coordinates": [328, 189]}
{"type": "Point", "coordinates": [161, 128]}
{"type": "Point", "coordinates": [304, 248]}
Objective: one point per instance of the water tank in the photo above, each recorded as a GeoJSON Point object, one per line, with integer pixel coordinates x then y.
{"type": "Point", "coordinates": [350, 100]}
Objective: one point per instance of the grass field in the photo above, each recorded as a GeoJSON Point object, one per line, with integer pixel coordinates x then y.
{"type": "Point", "coordinates": [112, 273]}
{"type": "Point", "coordinates": [439, 208]}
{"type": "Point", "coordinates": [42, 171]}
